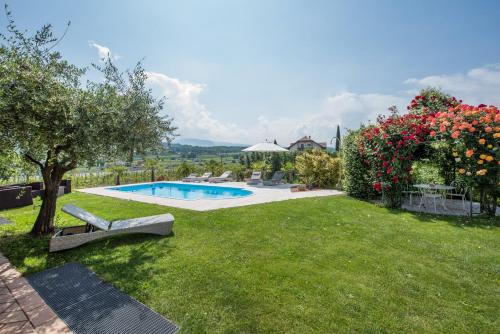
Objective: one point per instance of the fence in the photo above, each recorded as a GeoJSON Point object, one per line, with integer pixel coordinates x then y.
{"type": "Point", "coordinates": [101, 179]}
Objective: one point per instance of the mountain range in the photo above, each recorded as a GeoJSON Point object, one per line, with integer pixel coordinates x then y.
{"type": "Point", "coordinates": [204, 142]}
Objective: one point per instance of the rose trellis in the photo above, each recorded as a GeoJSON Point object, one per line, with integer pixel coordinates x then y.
{"type": "Point", "coordinates": [472, 132]}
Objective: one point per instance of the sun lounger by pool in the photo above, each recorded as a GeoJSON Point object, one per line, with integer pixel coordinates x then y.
{"type": "Point", "coordinates": [203, 178]}
{"type": "Point", "coordinates": [224, 177]}
{"type": "Point", "coordinates": [276, 179]}
{"type": "Point", "coordinates": [256, 178]}
{"type": "Point", "coordinates": [98, 228]}
{"type": "Point", "coordinates": [189, 178]}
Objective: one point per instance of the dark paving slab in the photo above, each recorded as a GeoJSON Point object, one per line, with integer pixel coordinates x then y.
{"type": "Point", "coordinates": [89, 305]}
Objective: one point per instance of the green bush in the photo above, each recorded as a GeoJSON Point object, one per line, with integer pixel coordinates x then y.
{"type": "Point", "coordinates": [261, 165]}
{"type": "Point", "coordinates": [239, 171]}
{"type": "Point", "coordinates": [184, 169]}
{"type": "Point", "coordinates": [356, 181]}
{"type": "Point", "coordinates": [426, 172]}
{"type": "Point", "coordinates": [317, 168]}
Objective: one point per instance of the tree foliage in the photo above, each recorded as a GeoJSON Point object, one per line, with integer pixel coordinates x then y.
{"type": "Point", "coordinates": [49, 117]}
{"type": "Point", "coordinates": [142, 126]}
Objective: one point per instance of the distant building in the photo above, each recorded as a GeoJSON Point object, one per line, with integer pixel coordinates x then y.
{"type": "Point", "coordinates": [306, 143]}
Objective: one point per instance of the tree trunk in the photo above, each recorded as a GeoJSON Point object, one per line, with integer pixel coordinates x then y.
{"type": "Point", "coordinates": [52, 172]}
{"type": "Point", "coordinates": [117, 179]}
{"type": "Point", "coordinates": [488, 199]}
{"type": "Point", "coordinates": [44, 223]}
{"type": "Point", "coordinates": [152, 175]}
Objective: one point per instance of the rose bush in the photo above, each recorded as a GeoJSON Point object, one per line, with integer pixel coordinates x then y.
{"type": "Point", "coordinates": [474, 134]}
{"type": "Point", "coordinates": [389, 150]}
{"type": "Point", "coordinates": [470, 134]}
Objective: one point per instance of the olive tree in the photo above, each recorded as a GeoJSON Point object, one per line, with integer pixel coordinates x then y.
{"type": "Point", "coordinates": [143, 128]}
{"type": "Point", "coordinates": [54, 121]}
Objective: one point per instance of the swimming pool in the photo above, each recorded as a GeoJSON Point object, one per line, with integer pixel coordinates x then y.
{"type": "Point", "coordinates": [184, 191]}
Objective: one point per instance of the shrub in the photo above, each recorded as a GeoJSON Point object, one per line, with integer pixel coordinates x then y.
{"type": "Point", "coordinates": [184, 169]}
{"type": "Point", "coordinates": [213, 167]}
{"type": "Point", "coordinates": [355, 179]}
{"type": "Point", "coordinates": [261, 166]}
{"type": "Point", "coordinates": [239, 171]}
{"type": "Point", "coordinates": [426, 172]}
{"type": "Point", "coordinates": [317, 168]}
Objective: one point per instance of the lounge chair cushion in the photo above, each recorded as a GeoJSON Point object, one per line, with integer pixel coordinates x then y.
{"type": "Point", "coordinates": [86, 216]}
{"type": "Point", "coordinates": [134, 222]}
{"type": "Point", "coordinates": [276, 179]}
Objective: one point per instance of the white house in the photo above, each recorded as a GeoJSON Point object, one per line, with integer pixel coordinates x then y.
{"type": "Point", "coordinates": [306, 143]}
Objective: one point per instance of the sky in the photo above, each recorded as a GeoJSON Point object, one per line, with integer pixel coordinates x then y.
{"type": "Point", "coordinates": [247, 71]}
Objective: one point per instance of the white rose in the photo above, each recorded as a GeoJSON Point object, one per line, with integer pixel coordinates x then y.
{"type": "Point", "coordinates": [458, 159]}
{"type": "Point", "coordinates": [468, 173]}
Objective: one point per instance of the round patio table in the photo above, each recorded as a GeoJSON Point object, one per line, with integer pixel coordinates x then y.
{"type": "Point", "coordinates": [439, 187]}
{"type": "Point", "coordinates": [431, 189]}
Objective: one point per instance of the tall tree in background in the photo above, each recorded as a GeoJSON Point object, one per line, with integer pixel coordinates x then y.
{"type": "Point", "coordinates": [337, 140]}
{"type": "Point", "coordinates": [152, 164]}
{"type": "Point", "coordinates": [143, 127]}
{"type": "Point", "coordinates": [52, 121]}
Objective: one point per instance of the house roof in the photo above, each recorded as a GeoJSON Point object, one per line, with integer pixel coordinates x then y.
{"type": "Point", "coordinates": [307, 139]}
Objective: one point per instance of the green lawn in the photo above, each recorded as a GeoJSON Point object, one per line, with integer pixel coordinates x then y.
{"type": "Point", "coordinates": [320, 265]}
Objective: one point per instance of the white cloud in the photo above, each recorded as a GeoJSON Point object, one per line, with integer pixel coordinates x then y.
{"type": "Point", "coordinates": [479, 85]}
{"type": "Point", "coordinates": [103, 51]}
{"type": "Point", "coordinates": [195, 120]}
{"type": "Point", "coordinates": [349, 109]}
{"type": "Point", "coordinates": [192, 117]}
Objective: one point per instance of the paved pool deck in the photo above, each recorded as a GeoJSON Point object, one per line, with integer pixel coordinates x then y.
{"type": "Point", "coordinates": [261, 194]}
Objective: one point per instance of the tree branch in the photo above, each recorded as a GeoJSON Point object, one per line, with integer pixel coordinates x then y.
{"type": "Point", "coordinates": [59, 147]}
{"type": "Point", "coordinates": [33, 160]}
{"type": "Point", "coordinates": [70, 166]}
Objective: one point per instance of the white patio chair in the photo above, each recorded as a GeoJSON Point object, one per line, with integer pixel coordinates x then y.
{"type": "Point", "coordinates": [430, 195]}
{"type": "Point", "coordinates": [410, 191]}
{"type": "Point", "coordinates": [460, 191]}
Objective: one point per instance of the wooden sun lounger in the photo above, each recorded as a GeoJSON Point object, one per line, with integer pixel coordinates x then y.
{"type": "Point", "coordinates": [276, 179]}
{"type": "Point", "coordinates": [224, 177]}
{"type": "Point", "coordinates": [189, 178]}
{"type": "Point", "coordinates": [203, 178]}
{"type": "Point", "coordinates": [256, 178]}
{"type": "Point", "coordinates": [98, 228]}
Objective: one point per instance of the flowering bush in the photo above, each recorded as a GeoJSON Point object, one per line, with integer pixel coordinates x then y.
{"type": "Point", "coordinates": [474, 133]}
{"type": "Point", "coordinates": [390, 147]}
{"type": "Point", "coordinates": [431, 101]}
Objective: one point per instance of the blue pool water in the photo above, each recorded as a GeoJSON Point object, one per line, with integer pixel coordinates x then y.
{"type": "Point", "coordinates": [184, 191]}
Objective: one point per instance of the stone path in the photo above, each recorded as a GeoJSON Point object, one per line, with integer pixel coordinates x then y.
{"type": "Point", "coordinates": [22, 310]}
